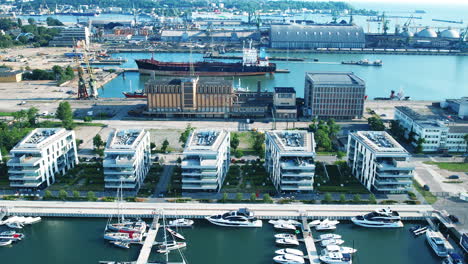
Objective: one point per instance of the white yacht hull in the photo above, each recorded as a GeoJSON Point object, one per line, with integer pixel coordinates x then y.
{"type": "Point", "coordinates": [221, 222]}
{"type": "Point", "coordinates": [375, 224]}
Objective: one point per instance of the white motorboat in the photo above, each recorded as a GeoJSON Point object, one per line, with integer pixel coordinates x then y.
{"type": "Point", "coordinates": [323, 227]}
{"type": "Point", "coordinates": [327, 242]}
{"type": "Point", "coordinates": [169, 246]}
{"type": "Point", "coordinates": [285, 226]}
{"type": "Point", "coordinates": [336, 258]}
{"type": "Point", "coordinates": [120, 244]}
{"type": "Point", "coordinates": [15, 225]}
{"type": "Point", "coordinates": [336, 248]}
{"type": "Point", "coordinates": [123, 237]}
{"type": "Point", "coordinates": [290, 236]}
{"type": "Point", "coordinates": [175, 234]}
{"type": "Point", "coordinates": [285, 221]}
{"type": "Point", "coordinates": [241, 218]}
{"type": "Point", "coordinates": [315, 222]}
{"type": "Point", "coordinates": [289, 259]}
{"type": "Point", "coordinates": [182, 222]}
{"type": "Point", "coordinates": [128, 226]}
{"type": "Point", "coordinates": [11, 235]}
{"type": "Point", "coordinates": [328, 236]}
{"type": "Point", "coordinates": [437, 242]}
{"type": "Point", "coordinates": [453, 258]}
{"type": "Point", "coordinates": [381, 218]}
{"type": "Point", "coordinates": [290, 251]}
{"type": "Point", "coordinates": [5, 242]}
{"type": "Point", "coordinates": [287, 242]}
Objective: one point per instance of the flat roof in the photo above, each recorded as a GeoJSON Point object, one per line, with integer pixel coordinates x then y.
{"type": "Point", "coordinates": [124, 139]}
{"type": "Point", "coordinates": [205, 140]}
{"type": "Point", "coordinates": [285, 90]}
{"type": "Point", "coordinates": [293, 140]}
{"type": "Point", "coordinates": [379, 141]}
{"type": "Point", "coordinates": [458, 129]}
{"type": "Point", "coordinates": [39, 137]}
{"type": "Point", "coordinates": [335, 78]}
{"type": "Point", "coordinates": [200, 81]}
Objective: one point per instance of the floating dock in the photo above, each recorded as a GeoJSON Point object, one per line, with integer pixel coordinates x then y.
{"type": "Point", "coordinates": [309, 242]}
{"type": "Point", "coordinates": [149, 242]}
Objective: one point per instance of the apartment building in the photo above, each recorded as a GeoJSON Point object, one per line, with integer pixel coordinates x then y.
{"type": "Point", "coordinates": [206, 160]}
{"type": "Point", "coordinates": [127, 159]}
{"type": "Point", "coordinates": [338, 95]}
{"type": "Point", "coordinates": [439, 133]}
{"type": "Point", "coordinates": [289, 160]}
{"type": "Point", "coordinates": [379, 162]}
{"type": "Point", "coordinates": [41, 156]}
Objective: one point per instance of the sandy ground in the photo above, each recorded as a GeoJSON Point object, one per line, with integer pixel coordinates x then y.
{"type": "Point", "coordinates": [386, 109]}
{"type": "Point", "coordinates": [36, 58]}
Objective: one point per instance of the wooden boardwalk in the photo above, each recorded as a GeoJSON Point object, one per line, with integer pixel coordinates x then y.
{"type": "Point", "coordinates": [312, 253]}
{"type": "Point", "coordinates": [149, 242]}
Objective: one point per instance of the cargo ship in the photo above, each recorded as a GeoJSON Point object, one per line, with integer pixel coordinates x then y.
{"type": "Point", "coordinates": [251, 64]}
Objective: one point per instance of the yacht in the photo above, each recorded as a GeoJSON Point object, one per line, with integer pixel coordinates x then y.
{"type": "Point", "coordinates": [324, 222]}
{"type": "Point", "coordinates": [241, 218]}
{"type": "Point", "coordinates": [437, 242]}
{"type": "Point", "coordinates": [453, 258]}
{"type": "Point", "coordinates": [128, 226]}
{"type": "Point", "coordinates": [290, 251]}
{"type": "Point", "coordinates": [285, 226]}
{"type": "Point", "coordinates": [328, 236]}
{"type": "Point", "coordinates": [284, 221]}
{"type": "Point", "coordinates": [182, 222]}
{"type": "Point", "coordinates": [327, 242]}
{"type": "Point", "coordinates": [287, 242]}
{"type": "Point", "coordinates": [336, 248]}
{"type": "Point", "coordinates": [290, 236]}
{"type": "Point", "coordinates": [123, 237]}
{"type": "Point", "coordinates": [5, 242]}
{"type": "Point", "coordinates": [16, 225]}
{"type": "Point", "coordinates": [11, 235]}
{"type": "Point", "coordinates": [169, 246]}
{"type": "Point", "coordinates": [336, 258]}
{"type": "Point", "coordinates": [381, 218]}
{"type": "Point", "coordinates": [175, 234]}
{"type": "Point", "coordinates": [289, 259]}
{"type": "Point", "coordinates": [120, 244]}
{"type": "Point", "coordinates": [325, 226]}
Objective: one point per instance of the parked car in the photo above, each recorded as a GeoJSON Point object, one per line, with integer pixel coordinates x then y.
{"type": "Point", "coordinates": [454, 177]}
{"type": "Point", "coordinates": [426, 187]}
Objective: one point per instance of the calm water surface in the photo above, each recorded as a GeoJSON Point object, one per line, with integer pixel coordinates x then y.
{"type": "Point", "coordinates": [79, 241]}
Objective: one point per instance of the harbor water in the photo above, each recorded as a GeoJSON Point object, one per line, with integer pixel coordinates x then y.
{"type": "Point", "coordinates": [422, 77]}
{"type": "Point", "coordinates": [79, 241]}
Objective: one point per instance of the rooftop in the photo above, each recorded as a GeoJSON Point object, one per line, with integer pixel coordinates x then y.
{"type": "Point", "coordinates": [41, 136]}
{"type": "Point", "coordinates": [201, 81]}
{"type": "Point", "coordinates": [463, 100]}
{"type": "Point", "coordinates": [124, 139]}
{"type": "Point", "coordinates": [293, 140]}
{"type": "Point", "coordinates": [335, 78]}
{"type": "Point", "coordinates": [205, 140]}
{"type": "Point", "coordinates": [458, 129]}
{"type": "Point", "coordinates": [284, 90]}
{"type": "Point", "coordinates": [379, 141]}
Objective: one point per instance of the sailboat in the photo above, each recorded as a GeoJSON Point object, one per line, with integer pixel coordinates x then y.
{"type": "Point", "coordinates": [167, 246]}
{"type": "Point", "coordinates": [134, 94]}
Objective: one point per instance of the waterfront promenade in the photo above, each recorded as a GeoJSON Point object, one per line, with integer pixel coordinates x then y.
{"type": "Point", "coordinates": [200, 210]}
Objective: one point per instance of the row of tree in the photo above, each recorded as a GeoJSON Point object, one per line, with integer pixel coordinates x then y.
{"type": "Point", "coordinates": [31, 33]}
{"type": "Point", "coordinates": [57, 73]}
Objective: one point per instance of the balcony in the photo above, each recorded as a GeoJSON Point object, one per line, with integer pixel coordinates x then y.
{"type": "Point", "coordinates": [395, 165]}
{"type": "Point", "coordinates": [389, 174]}
{"type": "Point", "coordinates": [297, 187]}
{"type": "Point", "coordinates": [390, 181]}
{"type": "Point", "coordinates": [200, 163]}
{"type": "Point", "coordinates": [24, 160]}
{"type": "Point", "coordinates": [297, 165]}
{"type": "Point", "coordinates": [199, 173]}
{"type": "Point", "coordinates": [212, 180]}
{"type": "Point", "coordinates": [200, 186]}
{"type": "Point", "coordinates": [298, 174]}
{"type": "Point", "coordinates": [118, 162]}
{"type": "Point", "coordinates": [118, 185]}
{"type": "Point", "coordinates": [119, 179]}
{"type": "Point", "coordinates": [297, 181]}
{"type": "Point", "coordinates": [24, 177]}
{"type": "Point", "coordinates": [119, 172]}
{"type": "Point", "coordinates": [26, 184]}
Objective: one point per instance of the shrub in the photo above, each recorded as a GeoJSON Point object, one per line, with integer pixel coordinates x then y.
{"type": "Point", "coordinates": [267, 198]}
{"type": "Point", "coordinates": [253, 197]}
{"type": "Point", "coordinates": [327, 198]}
{"type": "Point", "coordinates": [357, 198]}
{"type": "Point", "coordinates": [108, 199]}
{"type": "Point", "coordinates": [63, 195]}
{"type": "Point", "coordinates": [91, 196]}
{"type": "Point", "coordinates": [372, 199]}
{"type": "Point", "coordinates": [413, 202]}
{"type": "Point", "coordinates": [130, 199]}
{"type": "Point", "coordinates": [412, 196]}
{"type": "Point", "coordinates": [76, 194]}
{"type": "Point", "coordinates": [388, 202]}
{"type": "Point", "coordinates": [10, 197]}
{"type": "Point", "coordinates": [225, 197]}
{"type": "Point", "coordinates": [239, 197]}
{"type": "Point", "coordinates": [48, 195]}
{"type": "Point", "coordinates": [342, 198]}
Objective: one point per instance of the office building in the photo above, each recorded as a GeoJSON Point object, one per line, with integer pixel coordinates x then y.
{"type": "Point", "coordinates": [127, 159]}
{"type": "Point", "coordinates": [41, 156]}
{"type": "Point", "coordinates": [458, 106]}
{"type": "Point", "coordinates": [71, 37]}
{"type": "Point", "coordinates": [206, 160]}
{"type": "Point", "coordinates": [379, 162]}
{"type": "Point", "coordinates": [439, 133]}
{"type": "Point", "coordinates": [296, 36]}
{"type": "Point", "coordinates": [284, 103]}
{"type": "Point", "coordinates": [289, 160]}
{"type": "Point", "coordinates": [338, 95]}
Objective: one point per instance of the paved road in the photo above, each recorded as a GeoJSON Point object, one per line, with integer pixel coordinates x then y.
{"type": "Point", "coordinates": [161, 187]}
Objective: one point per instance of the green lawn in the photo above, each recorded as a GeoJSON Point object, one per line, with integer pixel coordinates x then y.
{"type": "Point", "coordinates": [428, 196]}
{"type": "Point", "coordinates": [450, 166]}
{"type": "Point", "coordinates": [83, 177]}
{"type": "Point", "coordinates": [246, 140]}
{"type": "Point", "coordinates": [341, 180]}
{"type": "Point", "coordinates": [151, 180]}
{"type": "Point", "coordinates": [249, 178]}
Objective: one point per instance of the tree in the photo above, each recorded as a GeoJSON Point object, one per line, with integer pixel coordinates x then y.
{"type": "Point", "coordinates": [184, 135]}
{"type": "Point", "coordinates": [58, 72]}
{"type": "Point", "coordinates": [238, 153]}
{"type": "Point", "coordinates": [19, 22]}
{"type": "Point", "coordinates": [333, 128]}
{"type": "Point", "coordinates": [32, 116]}
{"type": "Point", "coordinates": [47, 195]}
{"type": "Point", "coordinates": [340, 155]}
{"type": "Point", "coordinates": [53, 22]}
{"type": "Point", "coordinates": [397, 130]}
{"type": "Point", "coordinates": [164, 145]}
{"type": "Point", "coordinates": [91, 196]}
{"type": "Point", "coordinates": [327, 198]}
{"type": "Point", "coordinates": [239, 197]}
{"type": "Point", "coordinates": [63, 195]}
{"type": "Point", "coordinates": [267, 198]}
{"type": "Point", "coordinates": [258, 144]}
{"type": "Point", "coordinates": [31, 21]}
{"type": "Point", "coordinates": [225, 198]}
{"type": "Point", "coordinates": [419, 145]}
{"type": "Point", "coordinates": [235, 141]}
{"type": "Point", "coordinates": [313, 126]}
{"type": "Point", "coordinates": [65, 114]}
{"type": "Point", "coordinates": [376, 124]}
{"type": "Point", "coordinates": [323, 140]}
{"type": "Point", "coordinates": [76, 194]}
{"type": "Point", "coordinates": [357, 198]}
{"type": "Point", "coordinates": [372, 199]}
{"type": "Point", "coordinates": [97, 141]}
{"type": "Point", "coordinates": [152, 145]}
{"type": "Point", "coordinates": [342, 198]}
{"type": "Point", "coordinates": [253, 197]}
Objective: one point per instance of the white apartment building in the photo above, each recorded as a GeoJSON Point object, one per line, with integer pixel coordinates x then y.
{"type": "Point", "coordinates": [439, 135]}
{"type": "Point", "coordinates": [127, 159]}
{"type": "Point", "coordinates": [289, 159]}
{"type": "Point", "coordinates": [206, 160]}
{"type": "Point", "coordinates": [379, 162]}
{"type": "Point", "coordinates": [41, 156]}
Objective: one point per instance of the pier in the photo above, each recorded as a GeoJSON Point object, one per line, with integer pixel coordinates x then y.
{"type": "Point", "coordinates": [149, 241]}
{"type": "Point", "coordinates": [309, 241]}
